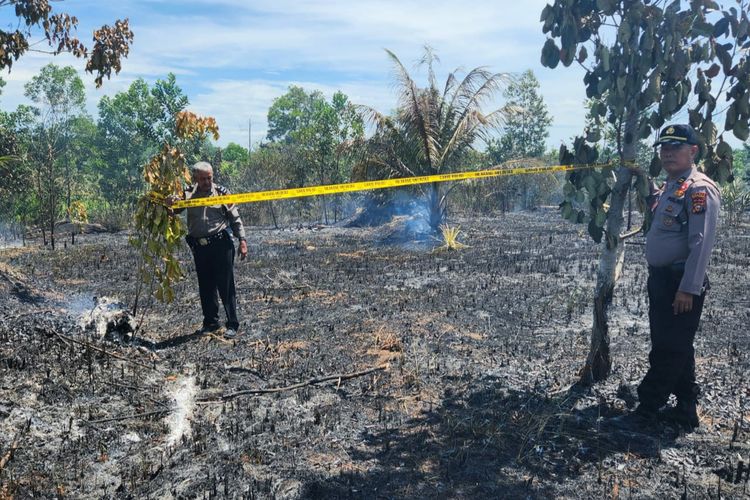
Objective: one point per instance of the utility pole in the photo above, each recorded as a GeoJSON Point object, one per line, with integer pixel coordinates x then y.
{"type": "Point", "coordinates": [249, 135]}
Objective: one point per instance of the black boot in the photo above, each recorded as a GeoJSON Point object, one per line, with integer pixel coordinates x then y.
{"type": "Point", "coordinates": [685, 415]}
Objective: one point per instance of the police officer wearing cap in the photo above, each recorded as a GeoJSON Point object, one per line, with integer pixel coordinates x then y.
{"type": "Point", "coordinates": [678, 247]}
{"type": "Point", "coordinates": [213, 249]}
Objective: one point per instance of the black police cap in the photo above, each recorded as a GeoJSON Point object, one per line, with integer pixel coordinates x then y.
{"type": "Point", "coordinates": [678, 134]}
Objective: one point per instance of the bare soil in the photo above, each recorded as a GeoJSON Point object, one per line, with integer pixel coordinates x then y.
{"type": "Point", "coordinates": [418, 373]}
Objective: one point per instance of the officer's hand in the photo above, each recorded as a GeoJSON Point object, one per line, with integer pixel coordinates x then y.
{"type": "Point", "coordinates": [683, 302]}
{"type": "Point", "coordinates": [242, 250]}
{"type": "Point", "coordinates": [169, 201]}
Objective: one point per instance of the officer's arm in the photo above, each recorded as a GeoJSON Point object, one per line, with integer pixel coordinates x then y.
{"type": "Point", "coordinates": [235, 222]}
{"type": "Point", "coordinates": [703, 217]}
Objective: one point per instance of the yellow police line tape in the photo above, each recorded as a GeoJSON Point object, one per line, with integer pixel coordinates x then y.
{"type": "Point", "coordinates": [280, 194]}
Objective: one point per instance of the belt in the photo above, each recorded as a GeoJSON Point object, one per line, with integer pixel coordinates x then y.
{"type": "Point", "coordinates": [676, 267]}
{"type": "Point", "coordinates": [207, 240]}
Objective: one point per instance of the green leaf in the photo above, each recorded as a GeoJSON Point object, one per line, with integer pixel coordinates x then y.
{"type": "Point", "coordinates": [669, 103]}
{"type": "Point", "coordinates": [725, 57]}
{"type": "Point", "coordinates": [582, 54]}
{"type": "Point", "coordinates": [601, 217]}
{"type": "Point", "coordinates": [591, 185]}
{"type": "Point", "coordinates": [566, 209]}
{"type": "Point", "coordinates": [568, 54]}
{"type": "Point", "coordinates": [569, 36]}
{"type": "Point", "coordinates": [654, 168]}
{"type": "Point", "coordinates": [743, 103]}
{"type": "Point", "coordinates": [550, 54]}
{"type": "Point", "coordinates": [703, 29]}
{"type": "Point", "coordinates": [642, 185]}
{"type": "Point", "coordinates": [731, 117]}
{"type": "Point", "coordinates": [596, 232]}
{"type": "Point", "coordinates": [604, 57]}
{"type": "Point", "coordinates": [741, 130]}
{"type": "Point", "coordinates": [712, 71]}
{"type": "Point", "coordinates": [607, 6]}
{"type": "Point", "coordinates": [594, 135]}
{"type": "Point", "coordinates": [721, 27]}
{"type": "Point", "coordinates": [723, 149]}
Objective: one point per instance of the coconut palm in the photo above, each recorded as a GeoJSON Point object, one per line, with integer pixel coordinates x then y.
{"type": "Point", "coordinates": [432, 127]}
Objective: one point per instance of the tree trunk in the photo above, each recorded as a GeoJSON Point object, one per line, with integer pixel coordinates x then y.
{"type": "Point", "coordinates": [273, 215]}
{"type": "Point", "coordinates": [598, 363]}
{"type": "Point", "coordinates": [436, 211]}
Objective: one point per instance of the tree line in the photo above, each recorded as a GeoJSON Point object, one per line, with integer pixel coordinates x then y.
{"type": "Point", "coordinates": [62, 164]}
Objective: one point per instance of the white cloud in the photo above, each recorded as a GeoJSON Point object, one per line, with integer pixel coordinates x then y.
{"type": "Point", "coordinates": [233, 57]}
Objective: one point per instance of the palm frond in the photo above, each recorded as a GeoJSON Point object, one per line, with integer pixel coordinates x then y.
{"type": "Point", "coordinates": [428, 59]}
{"type": "Point", "coordinates": [412, 111]}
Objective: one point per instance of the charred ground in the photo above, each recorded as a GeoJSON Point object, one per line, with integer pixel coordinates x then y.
{"type": "Point", "coordinates": [472, 354]}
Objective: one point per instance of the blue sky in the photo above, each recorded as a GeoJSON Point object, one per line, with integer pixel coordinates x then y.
{"type": "Point", "coordinates": [233, 57]}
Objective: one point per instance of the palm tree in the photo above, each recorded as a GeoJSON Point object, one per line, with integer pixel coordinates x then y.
{"type": "Point", "coordinates": [432, 128]}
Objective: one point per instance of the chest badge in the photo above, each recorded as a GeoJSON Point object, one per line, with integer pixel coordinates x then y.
{"type": "Point", "coordinates": [668, 209]}
{"type": "Point", "coordinates": [668, 221]}
{"type": "Point", "coordinates": [684, 185]}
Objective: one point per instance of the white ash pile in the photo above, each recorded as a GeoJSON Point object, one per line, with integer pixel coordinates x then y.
{"type": "Point", "coordinates": [108, 319]}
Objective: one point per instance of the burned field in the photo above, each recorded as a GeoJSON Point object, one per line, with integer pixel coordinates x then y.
{"type": "Point", "coordinates": [363, 370]}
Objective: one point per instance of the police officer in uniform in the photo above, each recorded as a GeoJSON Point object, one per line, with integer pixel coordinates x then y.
{"type": "Point", "coordinates": [678, 248]}
{"type": "Point", "coordinates": [213, 250]}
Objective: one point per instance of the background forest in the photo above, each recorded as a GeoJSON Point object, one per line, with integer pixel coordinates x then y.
{"type": "Point", "coordinates": [59, 164]}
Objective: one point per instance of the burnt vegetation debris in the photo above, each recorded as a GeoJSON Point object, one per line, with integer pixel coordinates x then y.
{"type": "Point", "coordinates": [481, 346]}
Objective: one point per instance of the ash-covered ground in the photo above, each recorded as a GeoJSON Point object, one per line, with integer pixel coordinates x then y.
{"type": "Point", "coordinates": [419, 373]}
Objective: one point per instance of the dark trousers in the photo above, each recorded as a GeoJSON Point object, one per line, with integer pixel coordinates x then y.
{"type": "Point", "coordinates": [214, 266]}
{"type": "Point", "coordinates": [672, 357]}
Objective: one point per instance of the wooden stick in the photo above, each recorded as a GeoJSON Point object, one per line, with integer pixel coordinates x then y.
{"type": "Point", "coordinates": [99, 349]}
{"type": "Point", "coordinates": [312, 381]}
{"type": "Point", "coordinates": [8, 456]}
{"type": "Point", "coordinates": [128, 417]}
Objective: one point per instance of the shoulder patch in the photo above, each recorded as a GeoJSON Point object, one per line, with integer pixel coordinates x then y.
{"type": "Point", "coordinates": [698, 201]}
{"type": "Point", "coordinates": [222, 190]}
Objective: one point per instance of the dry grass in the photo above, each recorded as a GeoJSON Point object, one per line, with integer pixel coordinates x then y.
{"type": "Point", "coordinates": [450, 238]}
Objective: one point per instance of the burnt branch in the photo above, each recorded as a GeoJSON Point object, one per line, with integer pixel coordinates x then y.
{"type": "Point", "coordinates": [312, 381]}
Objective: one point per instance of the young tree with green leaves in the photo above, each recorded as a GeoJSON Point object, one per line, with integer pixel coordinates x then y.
{"type": "Point", "coordinates": [526, 127]}
{"type": "Point", "coordinates": [321, 132]}
{"type": "Point", "coordinates": [132, 126]}
{"type": "Point", "coordinates": [524, 135]}
{"type": "Point", "coordinates": [59, 96]}
{"type": "Point", "coordinates": [157, 233]}
{"type": "Point", "coordinates": [645, 61]}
